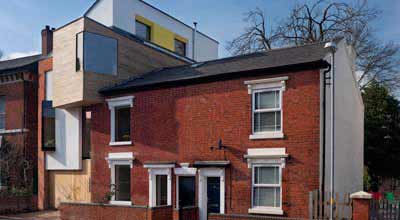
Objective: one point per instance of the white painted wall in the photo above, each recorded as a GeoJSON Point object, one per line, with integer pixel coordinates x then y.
{"type": "Point", "coordinates": [349, 126]}
{"type": "Point", "coordinates": [123, 15]}
{"type": "Point", "coordinates": [49, 85]}
{"type": "Point", "coordinates": [68, 153]}
{"type": "Point", "coordinates": [102, 12]}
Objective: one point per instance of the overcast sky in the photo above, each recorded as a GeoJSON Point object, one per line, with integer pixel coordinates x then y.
{"type": "Point", "coordinates": [22, 20]}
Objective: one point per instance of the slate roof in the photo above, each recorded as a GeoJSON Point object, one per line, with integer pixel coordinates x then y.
{"type": "Point", "coordinates": [19, 62]}
{"type": "Point", "coordinates": [290, 56]}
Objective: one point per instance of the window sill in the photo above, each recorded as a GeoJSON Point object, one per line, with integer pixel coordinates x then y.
{"type": "Point", "coordinates": [120, 143]}
{"type": "Point", "coordinates": [266, 210]}
{"type": "Point", "coordinates": [13, 131]}
{"type": "Point", "coordinates": [270, 135]}
{"type": "Point", "coordinates": [120, 202]}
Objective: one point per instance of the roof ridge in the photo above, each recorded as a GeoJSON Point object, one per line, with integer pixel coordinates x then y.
{"type": "Point", "coordinates": [262, 52]}
{"type": "Point", "coordinates": [20, 58]}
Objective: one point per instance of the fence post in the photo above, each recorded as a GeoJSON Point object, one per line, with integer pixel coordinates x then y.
{"type": "Point", "coordinates": [361, 203]}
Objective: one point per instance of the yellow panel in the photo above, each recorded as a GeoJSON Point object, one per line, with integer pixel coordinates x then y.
{"type": "Point", "coordinates": [160, 35]}
{"type": "Point", "coordinates": [164, 37]}
{"type": "Point", "coordinates": [70, 185]}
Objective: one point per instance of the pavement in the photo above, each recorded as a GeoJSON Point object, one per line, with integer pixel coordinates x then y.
{"type": "Point", "coordinates": [42, 215]}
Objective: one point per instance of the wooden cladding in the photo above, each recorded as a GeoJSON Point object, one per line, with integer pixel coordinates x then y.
{"type": "Point", "coordinates": [78, 88]}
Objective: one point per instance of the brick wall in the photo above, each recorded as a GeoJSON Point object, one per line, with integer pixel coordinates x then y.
{"type": "Point", "coordinates": [186, 213]}
{"type": "Point", "coordinates": [160, 213]}
{"type": "Point", "coordinates": [248, 217]}
{"type": "Point", "coordinates": [43, 177]}
{"type": "Point", "coordinates": [181, 123]}
{"type": "Point", "coordinates": [16, 204]}
{"type": "Point", "coordinates": [21, 116]}
{"type": "Point", "coordinates": [92, 211]}
{"type": "Point", "coordinates": [14, 96]}
{"type": "Point", "coordinates": [361, 209]}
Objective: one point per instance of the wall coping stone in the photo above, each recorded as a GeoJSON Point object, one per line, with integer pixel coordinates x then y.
{"type": "Point", "coordinates": [361, 195]}
{"type": "Point", "coordinates": [103, 204]}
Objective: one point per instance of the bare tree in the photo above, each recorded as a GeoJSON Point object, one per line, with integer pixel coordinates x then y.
{"type": "Point", "coordinates": [255, 37]}
{"type": "Point", "coordinates": [14, 168]}
{"type": "Point", "coordinates": [323, 21]}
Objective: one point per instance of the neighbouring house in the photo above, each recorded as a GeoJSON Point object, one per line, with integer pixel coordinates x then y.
{"type": "Point", "coordinates": [18, 132]}
{"type": "Point", "coordinates": [135, 125]}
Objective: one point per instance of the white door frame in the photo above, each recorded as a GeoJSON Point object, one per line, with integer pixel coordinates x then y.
{"type": "Point", "coordinates": [203, 174]}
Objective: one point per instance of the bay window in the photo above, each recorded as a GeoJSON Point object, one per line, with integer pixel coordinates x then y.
{"type": "Point", "coordinates": [96, 53]}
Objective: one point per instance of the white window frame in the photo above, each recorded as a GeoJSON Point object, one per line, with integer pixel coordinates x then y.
{"type": "Point", "coordinates": [126, 101]}
{"type": "Point", "coordinates": [119, 159]}
{"type": "Point", "coordinates": [183, 171]}
{"type": "Point", "coordinates": [154, 170]}
{"type": "Point", "coordinates": [266, 85]}
{"type": "Point", "coordinates": [266, 157]}
{"type": "Point", "coordinates": [266, 209]}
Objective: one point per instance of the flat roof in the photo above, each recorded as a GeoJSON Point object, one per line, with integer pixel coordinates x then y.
{"type": "Point", "coordinates": [159, 10]}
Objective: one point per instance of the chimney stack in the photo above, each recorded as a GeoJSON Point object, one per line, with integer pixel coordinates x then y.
{"type": "Point", "coordinates": [47, 40]}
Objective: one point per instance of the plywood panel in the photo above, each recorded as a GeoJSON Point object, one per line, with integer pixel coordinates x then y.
{"type": "Point", "coordinates": [70, 185]}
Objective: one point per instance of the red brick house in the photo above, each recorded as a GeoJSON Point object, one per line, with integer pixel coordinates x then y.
{"type": "Point", "coordinates": [137, 126]}
{"type": "Point", "coordinates": [248, 127]}
{"type": "Point", "coordinates": [18, 132]}
{"type": "Point", "coordinates": [18, 107]}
